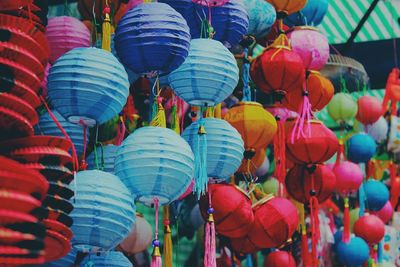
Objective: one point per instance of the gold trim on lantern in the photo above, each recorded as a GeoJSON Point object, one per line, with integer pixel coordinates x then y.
{"type": "Point", "coordinates": [263, 200]}
{"type": "Point", "coordinates": [242, 191]}
{"type": "Point", "coordinates": [248, 103]}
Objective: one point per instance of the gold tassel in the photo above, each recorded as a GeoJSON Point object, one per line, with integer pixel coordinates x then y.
{"type": "Point", "coordinates": [218, 111]}
{"type": "Point", "coordinates": [159, 120]}
{"type": "Point", "coordinates": [210, 112]}
{"type": "Point", "coordinates": [175, 120]}
{"type": "Point", "coordinates": [106, 31]}
{"type": "Point", "coordinates": [167, 239]}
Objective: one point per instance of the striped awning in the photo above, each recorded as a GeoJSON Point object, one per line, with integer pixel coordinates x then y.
{"type": "Point", "coordinates": [344, 15]}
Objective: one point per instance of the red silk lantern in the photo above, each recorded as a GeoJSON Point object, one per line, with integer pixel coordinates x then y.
{"type": "Point", "coordinates": [243, 245]}
{"type": "Point", "coordinates": [233, 216]}
{"type": "Point", "coordinates": [370, 228]}
{"type": "Point", "coordinates": [316, 144]}
{"type": "Point", "coordinates": [369, 109]}
{"type": "Point", "coordinates": [278, 70]}
{"type": "Point", "coordinates": [275, 221]}
{"type": "Point", "coordinates": [279, 259]}
{"type": "Point", "coordinates": [299, 182]}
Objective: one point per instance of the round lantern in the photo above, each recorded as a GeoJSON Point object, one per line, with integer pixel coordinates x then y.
{"type": "Point", "coordinates": [47, 126]}
{"type": "Point", "coordinates": [288, 6]}
{"type": "Point", "coordinates": [256, 125]}
{"type": "Point", "coordinates": [361, 147]}
{"type": "Point", "coordinates": [104, 160]}
{"type": "Point", "coordinates": [232, 210]}
{"type": "Point", "coordinates": [152, 37]}
{"type": "Point", "coordinates": [369, 109]}
{"type": "Point", "coordinates": [385, 213]}
{"type": "Point", "coordinates": [342, 107]}
{"type": "Point", "coordinates": [312, 14]}
{"type": "Point", "coordinates": [210, 3]}
{"type": "Point", "coordinates": [230, 22]}
{"type": "Point", "coordinates": [208, 75]}
{"type": "Point", "coordinates": [376, 194]}
{"type": "Point", "coordinates": [348, 176]}
{"type": "Point", "coordinates": [262, 16]}
{"type": "Point", "coordinates": [299, 182]}
{"type": "Point", "coordinates": [271, 186]}
{"type": "Point", "coordinates": [64, 34]}
{"type": "Point", "coordinates": [377, 130]}
{"type": "Point", "coordinates": [278, 70]}
{"type": "Point", "coordinates": [317, 145]}
{"type": "Point", "coordinates": [224, 146]}
{"type": "Point", "coordinates": [43, 88]}
{"type": "Point", "coordinates": [188, 191]}
{"type": "Point", "coordinates": [88, 85]}
{"type": "Point", "coordinates": [278, 259]}
{"type": "Point", "coordinates": [103, 213]}
{"type": "Point", "coordinates": [139, 238]}
{"type": "Point", "coordinates": [320, 92]}
{"type": "Point", "coordinates": [275, 221]}
{"type": "Point", "coordinates": [68, 260]}
{"type": "Point", "coordinates": [370, 228]}
{"type": "Point", "coordinates": [311, 45]}
{"type": "Point", "coordinates": [186, 8]}
{"type": "Point", "coordinates": [155, 162]}
{"type": "Point", "coordinates": [353, 253]}
{"type": "Point", "coordinates": [107, 259]}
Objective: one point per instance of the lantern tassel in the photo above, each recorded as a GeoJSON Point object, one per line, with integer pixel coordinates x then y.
{"type": "Point", "coordinates": [159, 119]}
{"type": "Point", "coordinates": [209, 239]}
{"type": "Point", "coordinates": [314, 206]}
{"type": "Point", "coordinates": [305, 254]}
{"type": "Point", "coordinates": [346, 221]}
{"type": "Point", "coordinates": [121, 131]}
{"type": "Point", "coordinates": [167, 239]}
{"type": "Point", "coordinates": [304, 116]}
{"type": "Point", "coordinates": [106, 30]}
{"type": "Point", "coordinates": [200, 152]}
{"type": "Point", "coordinates": [280, 157]}
{"type": "Point", "coordinates": [156, 260]}
{"type": "Point", "coordinates": [175, 120]}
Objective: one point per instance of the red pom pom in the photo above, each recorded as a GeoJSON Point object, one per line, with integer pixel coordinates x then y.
{"type": "Point", "coordinates": [107, 10]}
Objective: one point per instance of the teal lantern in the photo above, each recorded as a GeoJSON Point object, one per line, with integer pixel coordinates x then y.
{"type": "Point", "coordinates": [102, 158]}
{"type": "Point", "coordinates": [106, 259]}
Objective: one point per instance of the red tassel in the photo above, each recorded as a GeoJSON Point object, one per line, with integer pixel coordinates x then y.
{"type": "Point", "coordinates": [121, 132]}
{"type": "Point", "coordinates": [346, 221]}
{"type": "Point", "coordinates": [305, 254]}
{"type": "Point", "coordinates": [280, 156]}
{"type": "Point", "coordinates": [209, 239]}
{"type": "Point", "coordinates": [314, 206]}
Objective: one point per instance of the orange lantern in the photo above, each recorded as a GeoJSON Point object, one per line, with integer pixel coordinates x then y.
{"type": "Point", "coordinates": [287, 7]}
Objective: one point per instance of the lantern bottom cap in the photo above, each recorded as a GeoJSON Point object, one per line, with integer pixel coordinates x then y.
{"type": "Point", "coordinates": [82, 120]}
{"type": "Point", "coordinates": [149, 200]}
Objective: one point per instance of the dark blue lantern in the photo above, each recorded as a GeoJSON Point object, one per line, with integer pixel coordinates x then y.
{"type": "Point", "coordinates": [152, 37]}
{"type": "Point", "coordinates": [354, 253]}
{"type": "Point", "coordinates": [312, 14]}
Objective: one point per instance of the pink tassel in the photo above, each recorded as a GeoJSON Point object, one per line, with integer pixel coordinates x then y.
{"type": "Point", "coordinates": [121, 132]}
{"type": "Point", "coordinates": [156, 260]}
{"type": "Point", "coordinates": [209, 239]}
{"type": "Point", "coordinates": [304, 115]}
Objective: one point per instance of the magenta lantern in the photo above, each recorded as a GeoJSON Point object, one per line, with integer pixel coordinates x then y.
{"type": "Point", "coordinates": [348, 176]}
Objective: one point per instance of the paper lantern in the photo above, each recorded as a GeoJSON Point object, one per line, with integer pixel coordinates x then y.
{"type": "Point", "coordinates": [353, 253]}
{"type": "Point", "coordinates": [317, 145]}
{"type": "Point", "coordinates": [361, 147]}
{"type": "Point", "coordinates": [299, 183]}
{"type": "Point", "coordinates": [230, 22]}
{"type": "Point", "coordinates": [243, 245]}
{"type": "Point", "coordinates": [155, 162]}
{"type": "Point", "coordinates": [262, 16]}
{"type": "Point", "coordinates": [210, 3]}
{"type": "Point", "coordinates": [104, 211]}
{"type": "Point", "coordinates": [67, 261]}
{"type": "Point", "coordinates": [105, 158]}
{"type": "Point", "coordinates": [386, 213]}
{"type": "Point", "coordinates": [312, 14]}
{"type": "Point", "coordinates": [320, 92]}
{"type": "Point", "coordinates": [107, 259]}
{"type": "Point", "coordinates": [64, 34]}
{"type": "Point", "coordinates": [139, 238]}
{"type": "Point", "coordinates": [208, 75]}
{"type": "Point", "coordinates": [370, 228]}
{"type": "Point", "coordinates": [256, 125]}
{"type": "Point", "coordinates": [152, 37]}
{"type": "Point", "coordinates": [369, 109]}
{"type": "Point", "coordinates": [288, 6]}
{"type": "Point", "coordinates": [348, 176]}
{"type": "Point", "coordinates": [342, 107]}
{"type": "Point", "coordinates": [311, 45]}
{"type": "Point", "coordinates": [89, 85]}
{"type": "Point", "coordinates": [47, 126]}
{"type": "Point", "coordinates": [224, 146]}
{"type": "Point", "coordinates": [279, 258]}
{"type": "Point", "coordinates": [275, 221]}
{"type": "Point", "coordinates": [186, 8]}
{"type": "Point", "coordinates": [271, 186]}
{"type": "Point", "coordinates": [233, 216]}
{"type": "Point", "coordinates": [278, 70]}
{"type": "Point", "coordinates": [376, 194]}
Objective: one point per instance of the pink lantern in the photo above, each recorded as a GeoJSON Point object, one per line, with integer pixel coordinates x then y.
{"type": "Point", "coordinates": [44, 81]}
{"type": "Point", "coordinates": [139, 238]}
{"type": "Point", "coordinates": [64, 34]}
{"type": "Point", "coordinates": [211, 2]}
{"type": "Point", "coordinates": [311, 45]}
{"type": "Point", "coordinates": [385, 213]}
{"type": "Point", "coordinates": [348, 176]}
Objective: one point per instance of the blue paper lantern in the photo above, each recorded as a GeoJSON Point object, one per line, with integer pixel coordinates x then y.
{"type": "Point", "coordinates": [185, 7]}
{"type": "Point", "coordinates": [152, 37]}
{"type": "Point", "coordinates": [262, 16]}
{"type": "Point", "coordinates": [105, 158]}
{"type": "Point", "coordinates": [155, 162]}
{"type": "Point", "coordinates": [106, 259]}
{"type": "Point", "coordinates": [361, 147]}
{"type": "Point", "coordinates": [312, 14]}
{"type": "Point", "coordinates": [67, 261]}
{"type": "Point", "coordinates": [47, 126]}
{"type": "Point", "coordinates": [104, 211]}
{"type": "Point", "coordinates": [230, 22]}
{"type": "Point", "coordinates": [224, 143]}
{"type": "Point", "coordinates": [89, 85]}
{"type": "Point", "coordinates": [376, 194]}
{"type": "Point", "coordinates": [208, 75]}
{"type": "Point", "coordinates": [354, 253]}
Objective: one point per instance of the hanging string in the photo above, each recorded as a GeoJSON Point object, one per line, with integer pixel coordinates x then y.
{"type": "Point", "coordinates": [156, 260]}
{"type": "Point", "coordinates": [83, 165]}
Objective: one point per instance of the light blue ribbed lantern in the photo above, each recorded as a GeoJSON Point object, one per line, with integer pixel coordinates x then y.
{"type": "Point", "coordinates": [104, 211]}
{"type": "Point", "coordinates": [155, 162]}
{"type": "Point", "coordinates": [312, 14]}
{"type": "Point", "coordinates": [208, 75]}
{"type": "Point", "coordinates": [262, 16]}
{"type": "Point", "coordinates": [106, 259]}
{"type": "Point", "coordinates": [224, 148]}
{"type": "Point", "coordinates": [152, 37]}
{"type": "Point", "coordinates": [104, 160]}
{"type": "Point", "coordinates": [89, 85]}
{"type": "Point", "coordinates": [67, 261]}
{"type": "Point", "coordinates": [47, 126]}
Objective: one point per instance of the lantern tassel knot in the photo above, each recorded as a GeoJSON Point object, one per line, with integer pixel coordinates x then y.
{"type": "Point", "coordinates": [106, 30]}
{"type": "Point", "coordinates": [159, 119]}
{"type": "Point", "coordinates": [168, 247]}
{"type": "Point", "coordinates": [209, 239]}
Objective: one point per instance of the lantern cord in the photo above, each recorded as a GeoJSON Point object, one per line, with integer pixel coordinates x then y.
{"type": "Point", "coordinates": [280, 157]}
{"type": "Point", "coordinates": [121, 131]}
{"type": "Point", "coordinates": [156, 260]}
{"type": "Point", "coordinates": [346, 221]}
{"type": "Point", "coordinates": [83, 165]}
{"type": "Point", "coordinates": [246, 76]}
{"type": "Point", "coordinates": [168, 246]}
{"type": "Point", "coordinates": [94, 21]}
{"type": "Point", "coordinates": [315, 235]}
{"type": "Point", "coordinates": [209, 239]}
